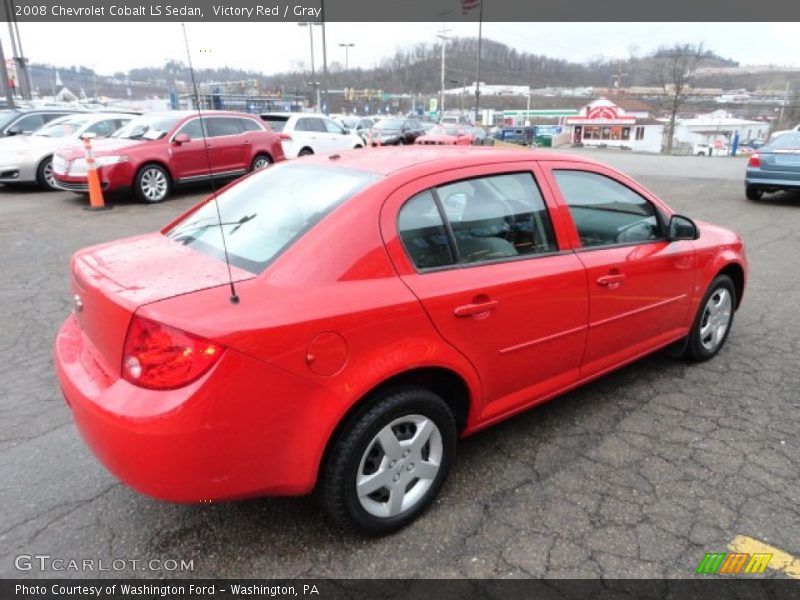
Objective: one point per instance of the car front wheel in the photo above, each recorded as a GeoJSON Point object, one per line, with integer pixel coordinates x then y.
{"type": "Point", "coordinates": [713, 321]}
{"type": "Point", "coordinates": [152, 184]}
{"type": "Point", "coordinates": [389, 462]}
{"type": "Point", "coordinates": [44, 175]}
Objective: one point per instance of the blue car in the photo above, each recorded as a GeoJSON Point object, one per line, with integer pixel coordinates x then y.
{"type": "Point", "coordinates": [774, 167]}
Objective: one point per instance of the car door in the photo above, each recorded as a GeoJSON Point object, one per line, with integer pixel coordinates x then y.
{"type": "Point", "coordinates": [336, 137]}
{"type": "Point", "coordinates": [229, 151]}
{"type": "Point", "coordinates": [640, 284]}
{"type": "Point", "coordinates": [308, 134]}
{"type": "Point", "coordinates": [188, 160]}
{"type": "Point", "coordinates": [481, 251]}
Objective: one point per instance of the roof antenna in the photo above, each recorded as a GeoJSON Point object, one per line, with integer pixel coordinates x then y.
{"type": "Point", "coordinates": [234, 297]}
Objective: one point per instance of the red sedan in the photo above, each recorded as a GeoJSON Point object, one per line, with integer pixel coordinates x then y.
{"type": "Point", "coordinates": [445, 136]}
{"type": "Point", "coordinates": [386, 302]}
{"type": "Point", "coordinates": [159, 150]}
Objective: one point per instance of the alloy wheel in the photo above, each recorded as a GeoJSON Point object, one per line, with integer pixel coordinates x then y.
{"type": "Point", "coordinates": [399, 466]}
{"type": "Point", "coordinates": [154, 185]}
{"type": "Point", "coordinates": [716, 319]}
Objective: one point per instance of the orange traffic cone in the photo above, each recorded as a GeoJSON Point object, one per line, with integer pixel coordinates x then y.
{"type": "Point", "coordinates": [96, 201]}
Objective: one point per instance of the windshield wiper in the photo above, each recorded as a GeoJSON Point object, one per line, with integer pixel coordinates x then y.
{"type": "Point", "coordinates": [182, 232]}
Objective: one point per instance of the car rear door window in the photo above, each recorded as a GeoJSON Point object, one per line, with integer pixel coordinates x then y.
{"type": "Point", "coordinates": [249, 125]}
{"type": "Point", "coordinates": [29, 123]}
{"type": "Point", "coordinates": [423, 233]}
{"type": "Point", "coordinates": [332, 127]}
{"type": "Point", "coordinates": [310, 124]}
{"type": "Point", "coordinates": [500, 216]}
{"type": "Point", "coordinates": [222, 126]}
{"type": "Point", "coordinates": [606, 212]}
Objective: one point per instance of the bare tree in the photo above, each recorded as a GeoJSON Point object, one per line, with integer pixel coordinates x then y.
{"type": "Point", "coordinates": [677, 76]}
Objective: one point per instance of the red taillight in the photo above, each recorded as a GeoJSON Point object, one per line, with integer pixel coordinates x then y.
{"type": "Point", "coordinates": [755, 160]}
{"type": "Point", "coordinates": [285, 137]}
{"type": "Point", "coordinates": [160, 357]}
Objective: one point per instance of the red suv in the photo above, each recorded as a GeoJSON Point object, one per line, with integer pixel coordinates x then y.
{"type": "Point", "coordinates": [154, 152]}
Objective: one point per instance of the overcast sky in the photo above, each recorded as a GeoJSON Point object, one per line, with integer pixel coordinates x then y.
{"type": "Point", "coordinates": [275, 47]}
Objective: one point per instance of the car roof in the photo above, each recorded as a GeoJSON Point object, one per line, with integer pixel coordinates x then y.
{"type": "Point", "coordinates": [390, 160]}
{"type": "Point", "coordinates": [182, 114]}
{"type": "Point", "coordinates": [295, 114]}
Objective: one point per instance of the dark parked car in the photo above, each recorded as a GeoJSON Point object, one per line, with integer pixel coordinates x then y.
{"type": "Point", "coordinates": [17, 121]}
{"type": "Point", "coordinates": [774, 167]}
{"type": "Point", "coordinates": [396, 132]}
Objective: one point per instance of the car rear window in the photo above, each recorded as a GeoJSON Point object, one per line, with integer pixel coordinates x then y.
{"type": "Point", "coordinates": [276, 122]}
{"type": "Point", "coordinates": [785, 141]}
{"type": "Point", "coordinates": [267, 212]}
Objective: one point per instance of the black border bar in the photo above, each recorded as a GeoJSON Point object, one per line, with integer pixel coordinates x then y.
{"type": "Point", "coordinates": [400, 11]}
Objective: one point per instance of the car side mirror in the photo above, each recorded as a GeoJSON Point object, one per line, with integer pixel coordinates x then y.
{"type": "Point", "coordinates": [15, 130]}
{"type": "Point", "coordinates": [682, 228]}
{"type": "Point", "coordinates": [181, 138]}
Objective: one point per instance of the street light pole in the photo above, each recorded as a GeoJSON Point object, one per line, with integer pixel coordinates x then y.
{"type": "Point", "coordinates": [443, 36]}
{"type": "Point", "coordinates": [347, 55]}
{"type": "Point", "coordinates": [313, 70]}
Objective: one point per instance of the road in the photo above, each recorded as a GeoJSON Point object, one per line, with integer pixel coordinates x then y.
{"type": "Point", "coordinates": [638, 474]}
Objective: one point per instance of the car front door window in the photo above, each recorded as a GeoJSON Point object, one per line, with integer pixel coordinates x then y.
{"type": "Point", "coordinates": [605, 212]}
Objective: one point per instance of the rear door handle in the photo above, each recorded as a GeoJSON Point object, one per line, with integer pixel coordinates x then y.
{"type": "Point", "coordinates": [475, 309]}
{"type": "Point", "coordinates": [611, 281]}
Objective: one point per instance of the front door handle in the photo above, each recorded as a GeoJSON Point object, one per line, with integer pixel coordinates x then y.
{"type": "Point", "coordinates": [476, 309]}
{"type": "Point", "coordinates": [611, 281]}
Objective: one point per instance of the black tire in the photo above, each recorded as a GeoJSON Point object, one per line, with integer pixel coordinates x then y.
{"type": "Point", "coordinates": [696, 350]}
{"type": "Point", "coordinates": [305, 152]}
{"type": "Point", "coordinates": [152, 173]}
{"type": "Point", "coordinates": [258, 159]}
{"type": "Point", "coordinates": [753, 193]}
{"type": "Point", "coordinates": [337, 486]}
{"type": "Point", "coordinates": [44, 175]}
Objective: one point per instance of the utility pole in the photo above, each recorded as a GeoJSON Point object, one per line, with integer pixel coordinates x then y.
{"type": "Point", "coordinates": [314, 81]}
{"type": "Point", "coordinates": [4, 75]}
{"type": "Point", "coordinates": [16, 47]}
{"type": "Point", "coordinates": [326, 109]}
{"type": "Point", "coordinates": [346, 47]}
{"type": "Point", "coordinates": [443, 36]}
{"type": "Point", "coordinates": [785, 102]}
{"type": "Point", "coordinates": [478, 70]}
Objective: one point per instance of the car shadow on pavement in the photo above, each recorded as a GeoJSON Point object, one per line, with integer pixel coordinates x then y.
{"type": "Point", "coordinates": [781, 199]}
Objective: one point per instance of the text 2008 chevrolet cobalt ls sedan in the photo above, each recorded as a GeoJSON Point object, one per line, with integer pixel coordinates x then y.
{"type": "Point", "coordinates": [390, 301]}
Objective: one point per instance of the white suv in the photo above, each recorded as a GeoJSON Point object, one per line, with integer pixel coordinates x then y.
{"type": "Point", "coordinates": [308, 133]}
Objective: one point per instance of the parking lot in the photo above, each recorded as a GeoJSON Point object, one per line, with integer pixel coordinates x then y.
{"type": "Point", "coordinates": [638, 474]}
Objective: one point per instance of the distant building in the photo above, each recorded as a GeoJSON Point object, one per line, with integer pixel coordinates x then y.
{"type": "Point", "coordinates": [604, 122]}
{"type": "Point", "coordinates": [719, 128]}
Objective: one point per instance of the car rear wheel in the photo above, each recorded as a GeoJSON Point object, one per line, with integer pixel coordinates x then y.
{"type": "Point", "coordinates": [753, 193]}
{"type": "Point", "coordinates": [44, 175]}
{"type": "Point", "coordinates": [261, 161]}
{"type": "Point", "coordinates": [713, 321]}
{"type": "Point", "coordinates": [389, 462]}
{"type": "Point", "coordinates": [152, 184]}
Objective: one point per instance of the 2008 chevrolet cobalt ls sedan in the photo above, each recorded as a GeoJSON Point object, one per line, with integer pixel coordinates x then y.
{"type": "Point", "coordinates": [389, 301]}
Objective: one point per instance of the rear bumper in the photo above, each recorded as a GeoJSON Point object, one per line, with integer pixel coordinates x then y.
{"type": "Point", "coordinates": [243, 429]}
{"type": "Point", "coordinates": [772, 179]}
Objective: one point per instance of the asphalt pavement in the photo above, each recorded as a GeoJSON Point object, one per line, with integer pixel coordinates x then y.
{"type": "Point", "coordinates": [638, 474]}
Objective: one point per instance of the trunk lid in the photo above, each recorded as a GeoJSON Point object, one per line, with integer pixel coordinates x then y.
{"type": "Point", "coordinates": [112, 280]}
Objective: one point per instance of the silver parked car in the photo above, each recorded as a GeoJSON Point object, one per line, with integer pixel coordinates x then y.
{"type": "Point", "coordinates": [29, 158]}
